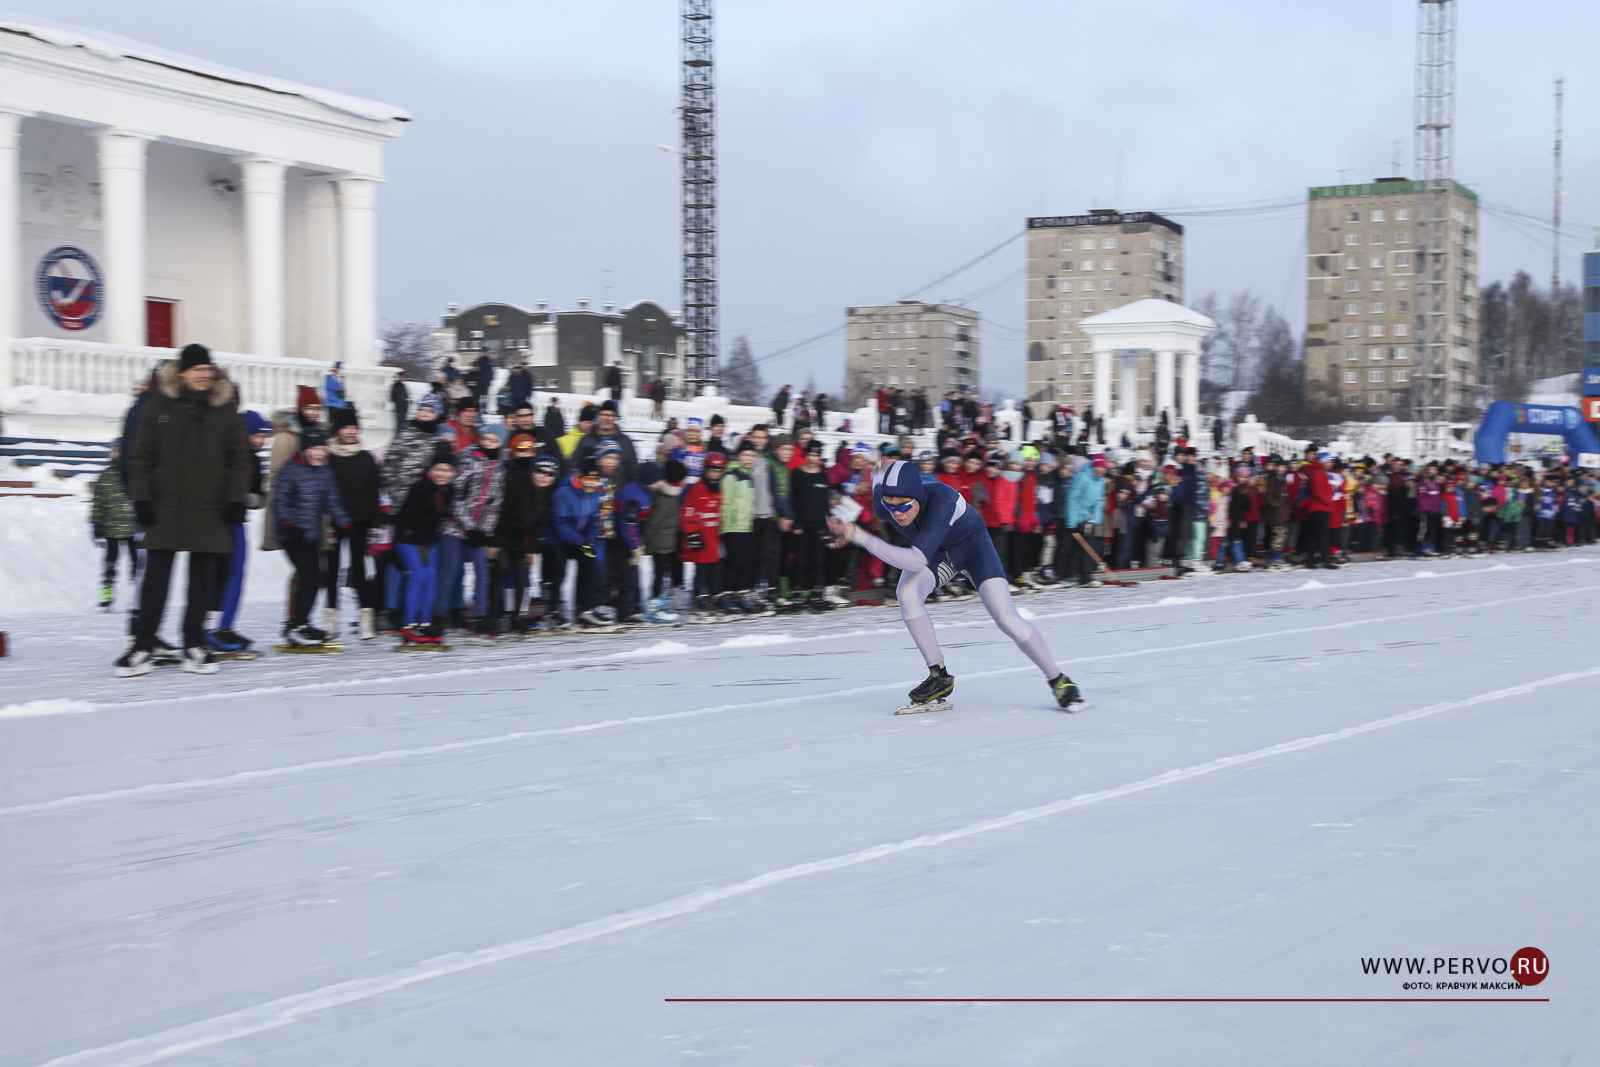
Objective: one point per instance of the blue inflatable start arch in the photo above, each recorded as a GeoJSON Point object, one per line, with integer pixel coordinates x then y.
{"type": "Point", "coordinates": [1505, 418]}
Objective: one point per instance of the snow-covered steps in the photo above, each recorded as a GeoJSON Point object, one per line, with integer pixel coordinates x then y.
{"type": "Point", "coordinates": [13, 487]}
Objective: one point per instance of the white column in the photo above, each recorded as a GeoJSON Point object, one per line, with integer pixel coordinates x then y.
{"type": "Point", "coordinates": [1165, 384]}
{"type": "Point", "coordinates": [122, 204]}
{"type": "Point", "coordinates": [262, 182]}
{"type": "Point", "coordinates": [1191, 391]}
{"type": "Point", "coordinates": [358, 289]}
{"type": "Point", "coordinates": [11, 281]}
{"type": "Point", "coordinates": [1102, 380]}
{"type": "Point", "coordinates": [312, 302]}
{"type": "Point", "coordinates": [1128, 388]}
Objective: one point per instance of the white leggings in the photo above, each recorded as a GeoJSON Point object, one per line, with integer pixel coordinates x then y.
{"type": "Point", "coordinates": [914, 590]}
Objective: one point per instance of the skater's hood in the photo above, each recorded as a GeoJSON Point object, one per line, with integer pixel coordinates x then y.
{"type": "Point", "coordinates": [903, 479]}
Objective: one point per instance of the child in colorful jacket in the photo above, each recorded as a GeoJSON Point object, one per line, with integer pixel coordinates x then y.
{"type": "Point", "coordinates": [111, 522]}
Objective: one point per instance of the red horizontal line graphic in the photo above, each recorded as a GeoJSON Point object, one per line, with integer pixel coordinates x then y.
{"type": "Point", "coordinates": [1105, 1000]}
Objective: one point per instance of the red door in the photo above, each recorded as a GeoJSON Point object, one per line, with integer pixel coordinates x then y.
{"type": "Point", "coordinates": [158, 316]}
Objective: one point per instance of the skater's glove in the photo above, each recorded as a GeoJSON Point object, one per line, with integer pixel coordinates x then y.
{"type": "Point", "coordinates": [289, 533]}
{"type": "Point", "coordinates": [636, 555]}
{"type": "Point", "coordinates": [695, 542]}
{"type": "Point", "coordinates": [144, 513]}
{"type": "Point", "coordinates": [233, 513]}
{"type": "Point", "coordinates": [476, 538]}
{"type": "Point", "coordinates": [98, 532]}
{"type": "Point", "coordinates": [588, 550]}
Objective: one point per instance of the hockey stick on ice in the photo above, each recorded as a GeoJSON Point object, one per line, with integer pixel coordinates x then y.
{"type": "Point", "coordinates": [1111, 576]}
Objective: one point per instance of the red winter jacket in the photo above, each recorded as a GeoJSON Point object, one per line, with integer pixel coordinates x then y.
{"type": "Point", "coordinates": [1336, 503]}
{"type": "Point", "coordinates": [1313, 492]}
{"type": "Point", "coordinates": [1000, 509]}
{"type": "Point", "coordinates": [1027, 519]}
{"type": "Point", "coordinates": [702, 514]}
{"type": "Point", "coordinates": [963, 482]}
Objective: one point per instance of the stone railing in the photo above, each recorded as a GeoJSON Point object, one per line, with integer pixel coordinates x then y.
{"type": "Point", "coordinates": [265, 383]}
{"type": "Point", "coordinates": [1253, 434]}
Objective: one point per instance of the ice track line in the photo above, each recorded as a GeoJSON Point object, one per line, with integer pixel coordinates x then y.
{"type": "Point", "coordinates": [643, 652]}
{"type": "Point", "coordinates": [138, 1052]}
{"type": "Point", "coordinates": [242, 777]}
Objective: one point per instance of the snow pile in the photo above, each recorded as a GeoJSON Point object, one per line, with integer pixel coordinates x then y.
{"type": "Point", "coordinates": [50, 561]}
{"type": "Point", "coordinates": [45, 707]}
{"type": "Point", "coordinates": [756, 640]}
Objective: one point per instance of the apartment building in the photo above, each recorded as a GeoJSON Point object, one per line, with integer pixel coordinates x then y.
{"type": "Point", "coordinates": [1081, 265]}
{"type": "Point", "coordinates": [1360, 299]}
{"type": "Point", "coordinates": [912, 345]}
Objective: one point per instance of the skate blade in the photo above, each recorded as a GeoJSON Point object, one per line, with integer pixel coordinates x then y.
{"type": "Point", "coordinates": [424, 648]}
{"type": "Point", "coordinates": [308, 650]}
{"type": "Point", "coordinates": [1077, 706]}
{"type": "Point", "coordinates": [918, 709]}
{"type": "Point", "coordinates": [236, 655]}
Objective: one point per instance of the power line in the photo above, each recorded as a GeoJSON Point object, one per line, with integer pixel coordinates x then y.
{"type": "Point", "coordinates": [970, 263]}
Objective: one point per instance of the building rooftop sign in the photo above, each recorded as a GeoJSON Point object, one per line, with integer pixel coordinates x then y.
{"type": "Point", "coordinates": [1386, 187]}
{"type": "Point", "coordinates": [1103, 218]}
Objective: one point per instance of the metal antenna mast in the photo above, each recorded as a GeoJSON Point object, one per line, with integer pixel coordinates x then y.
{"type": "Point", "coordinates": [1434, 149]}
{"type": "Point", "coordinates": [1555, 212]}
{"type": "Point", "coordinates": [699, 197]}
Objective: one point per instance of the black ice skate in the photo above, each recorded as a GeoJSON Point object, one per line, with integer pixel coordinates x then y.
{"type": "Point", "coordinates": [306, 640]}
{"type": "Point", "coordinates": [1066, 693]}
{"type": "Point", "coordinates": [932, 695]}
{"type": "Point", "coordinates": [133, 663]}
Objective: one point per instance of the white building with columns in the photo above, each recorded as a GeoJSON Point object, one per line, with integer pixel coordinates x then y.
{"type": "Point", "coordinates": [1173, 333]}
{"type": "Point", "coordinates": [149, 200]}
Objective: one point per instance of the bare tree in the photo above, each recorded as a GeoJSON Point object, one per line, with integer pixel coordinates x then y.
{"type": "Point", "coordinates": [408, 345]}
{"type": "Point", "coordinates": [1279, 395]}
{"type": "Point", "coordinates": [1240, 326]}
{"type": "Point", "coordinates": [1526, 334]}
{"type": "Point", "coordinates": [1213, 346]}
{"type": "Point", "coordinates": [741, 377]}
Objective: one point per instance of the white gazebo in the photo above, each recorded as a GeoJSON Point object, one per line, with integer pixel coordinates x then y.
{"type": "Point", "coordinates": [1173, 333]}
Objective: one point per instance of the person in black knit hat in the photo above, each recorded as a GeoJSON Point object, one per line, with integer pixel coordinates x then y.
{"type": "Point", "coordinates": [190, 476]}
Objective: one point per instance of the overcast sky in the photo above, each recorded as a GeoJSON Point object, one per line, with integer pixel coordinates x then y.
{"type": "Point", "coordinates": [870, 146]}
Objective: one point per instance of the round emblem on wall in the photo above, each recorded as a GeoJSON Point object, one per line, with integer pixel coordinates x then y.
{"type": "Point", "coordinates": [69, 288]}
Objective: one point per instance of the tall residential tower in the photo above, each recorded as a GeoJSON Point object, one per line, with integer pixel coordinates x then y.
{"type": "Point", "coordinates": [1081, 265]}
{"type": "Point", "coordinates": [1361, 345]}
{"type": "Point", "coordinates": [912, 345]}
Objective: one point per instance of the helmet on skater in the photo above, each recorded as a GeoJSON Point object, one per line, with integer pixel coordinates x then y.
{"type": "Point", "coordinates": [901, 479]}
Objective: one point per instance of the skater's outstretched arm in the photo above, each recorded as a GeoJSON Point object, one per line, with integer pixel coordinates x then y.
{"type": "Point", "coordinates": [909, 559]}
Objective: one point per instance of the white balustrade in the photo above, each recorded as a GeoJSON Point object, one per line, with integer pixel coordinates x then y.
{"type": "Point", "coordinates": [264, 382]}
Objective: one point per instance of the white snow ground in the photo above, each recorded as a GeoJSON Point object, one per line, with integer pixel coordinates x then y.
{"type": "Point", "coordinates": [515, 855]}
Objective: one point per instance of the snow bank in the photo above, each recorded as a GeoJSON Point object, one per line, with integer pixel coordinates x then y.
{"type": "Point", "coordinates": [45, 707]}
{"type": "Point", "coordinates": [49, 562]}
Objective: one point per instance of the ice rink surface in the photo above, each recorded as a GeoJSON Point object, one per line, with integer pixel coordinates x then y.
{"type": "Point", "coordinates": [517, 855]}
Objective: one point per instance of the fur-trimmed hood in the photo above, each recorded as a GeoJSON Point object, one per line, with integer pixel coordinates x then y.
{"type": "Point", "coordinates": [283, 421]}
{"type": "Point", "coordinates": [221, 391]}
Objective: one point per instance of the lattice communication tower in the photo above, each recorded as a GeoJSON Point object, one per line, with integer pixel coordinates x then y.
{"type": "Point", "coordinates": [1434, 150]}
{"type": "Point", "coordinates": [699, 154]}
